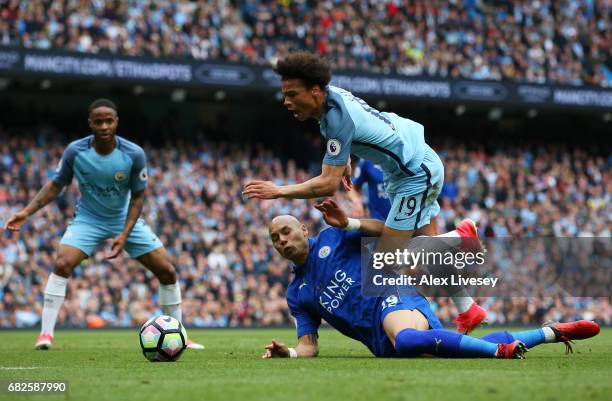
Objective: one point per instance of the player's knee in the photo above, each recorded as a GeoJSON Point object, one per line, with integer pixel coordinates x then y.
{"type": "Point", "coordinates": [411, 342]}
{"type": "Point", "coordinates": [167, 275]}
{"type": "Point", "coordinates": [63, 267]}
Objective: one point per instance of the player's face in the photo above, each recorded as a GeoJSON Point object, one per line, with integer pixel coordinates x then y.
{"type": "Point", "coordinates": [103, 123]}
{"type": "Point", "coordinates": [290, 238]}
{"type": "Point", "coordinates": [303, 102]}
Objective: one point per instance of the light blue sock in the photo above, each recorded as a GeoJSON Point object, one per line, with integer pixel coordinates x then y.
{"type": "Point", "coordinates": [530, 338]}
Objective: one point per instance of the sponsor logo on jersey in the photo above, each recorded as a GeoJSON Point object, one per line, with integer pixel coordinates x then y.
{"type": "Point", "coordinates": [333, 295]}
{"type": "Point", "coordinates": [324, 252]}
{"type": "Point", "coordinates": [120, 176]}
{"type": "Point", "coordinates": [333, 147]}
{"type": "Point", "coordinates": [143, 174]}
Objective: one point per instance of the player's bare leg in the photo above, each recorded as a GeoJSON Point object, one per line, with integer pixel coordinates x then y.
{"type": "Point", "coordinates": [471, 315]}
{"type": "Point", "coordinates": [67, 259]}
{"type": "Point", "coordinates": [159, 264]}
{"type": "Point", "coordinates": [403, 319]}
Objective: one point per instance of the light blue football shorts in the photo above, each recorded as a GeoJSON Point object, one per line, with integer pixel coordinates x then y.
{"type": "Point", "coordinates": [415, 203]}
{"type": "Point", "coordinates": [86, 234]}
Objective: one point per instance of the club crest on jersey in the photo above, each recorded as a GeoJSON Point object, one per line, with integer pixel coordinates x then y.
{"type": "Point", "coordinates": [333, 147]}
{"type": "Point", "coordinates": [324, 252]}
{"type": "Point", "coordinates": [120, 176]}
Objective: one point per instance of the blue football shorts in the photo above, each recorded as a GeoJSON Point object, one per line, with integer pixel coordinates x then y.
{"type": "Point", "coordinates": [394, 303]}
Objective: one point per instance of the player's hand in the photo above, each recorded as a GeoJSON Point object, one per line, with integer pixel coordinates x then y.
{"type": "Point", "coordinates": [261, 190]}
{"type": "Point", "coordinates": [276, 350]}
{"type": "Point", "coordinates": [16, 221]}
{"type": "Point", "coordinates": [347, 181]}
{"type": "Point", "coordinates": [116, 247]}
{"type": "Point", "coordinates": [332, 214]}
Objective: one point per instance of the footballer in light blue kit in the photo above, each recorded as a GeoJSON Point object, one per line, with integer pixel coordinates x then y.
{"type": "Point", "coordinates": [413, 173]}
{"type": "Point", "coordinates": [326, 285]}
{"type": "Point", "coordinates": [112, 176]}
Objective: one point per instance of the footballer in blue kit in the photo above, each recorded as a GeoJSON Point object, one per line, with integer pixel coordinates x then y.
{"type": "Point", "coordinates": [366, 172]}
{"type": "Point", "coordinates": [413, 173]}
{"type": "Point", "coordinates": [326, 285]}
{"type": "Point", "coordinates": [112, 176]}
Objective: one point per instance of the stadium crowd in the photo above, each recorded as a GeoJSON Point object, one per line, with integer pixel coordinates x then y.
{"type": "Point", "coordinates": [229, 272]}
{"type": "Point", "coordinates": [538, 41]}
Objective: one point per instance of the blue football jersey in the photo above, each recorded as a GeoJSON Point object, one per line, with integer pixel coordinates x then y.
{"type": "Point", "coordinates": [105, 181]}
{"type": "Point", "coordinates": [367, 172]}
{"type": "Point", "coordinates": [328, 286]}
{"type": "Point", "coordinates": [351, 126]}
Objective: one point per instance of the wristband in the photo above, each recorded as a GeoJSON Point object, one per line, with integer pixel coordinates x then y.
{"type": "Point", "coordinates": [353, 225]}
{"type": "Point", "coordinates": [292, 353]}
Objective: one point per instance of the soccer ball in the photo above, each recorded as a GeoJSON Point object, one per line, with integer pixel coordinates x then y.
{"type": "Point", "coordinates": [163, 339]}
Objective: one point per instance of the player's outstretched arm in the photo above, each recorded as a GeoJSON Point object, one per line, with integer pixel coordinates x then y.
{"type": "Point", "coordinates": [335, 217]}
{"type": "Point", "coordinates": [325, 184]}
{"type": "Point", "coordinates": [307, 347]}
{"type": "Point", "coordinates": [47, 194]}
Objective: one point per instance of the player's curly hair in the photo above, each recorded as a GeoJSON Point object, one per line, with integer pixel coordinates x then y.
{"type": "Point", "coordinates": [308, 67]}
{"type": "Point", "coordinates": [102, 103]}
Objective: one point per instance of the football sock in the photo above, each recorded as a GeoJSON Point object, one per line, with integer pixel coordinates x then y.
{"type": "Point", "coordinates": [462, 300]}
{"type": "Point", "coordinates": [452, 238]}
{"type": "Point", "coordinates": [170, 300]}
{"type": "Point", "coordinates": [444, 343]}
{"type": "Point", "coordinates": [530, 338]}
{"type": "Point", "coordinates": [55, 292]}
{"type": "Point", "coordinates": [443, 243]}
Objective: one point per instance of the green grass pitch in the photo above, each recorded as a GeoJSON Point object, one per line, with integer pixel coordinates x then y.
{"type": "Point", "coordinates": [108, 365]}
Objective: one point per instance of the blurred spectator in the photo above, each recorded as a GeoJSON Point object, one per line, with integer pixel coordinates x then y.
{"type": "Point", "coordinates": [538, 41]}
{"type": "Point", "coordinates": [231, 275]}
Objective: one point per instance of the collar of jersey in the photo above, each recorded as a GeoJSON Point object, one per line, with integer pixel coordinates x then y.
{"type": "Point", "coordinates": [311, 246]}
{"type": "Point", "coordinates": [90, 144]}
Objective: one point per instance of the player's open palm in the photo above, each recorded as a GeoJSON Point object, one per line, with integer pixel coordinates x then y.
{"type": "Point", "coordinates": [332, 214]}
{"type": "Point", "coordinates": [15, 222]}
{"type": "Point", "coordinates": [276, 350]}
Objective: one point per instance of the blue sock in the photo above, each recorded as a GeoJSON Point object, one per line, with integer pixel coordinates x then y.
{"type": "Point", "coordinates": [530, 338]}
{"type": "Point", "coordinates": [410, 342]}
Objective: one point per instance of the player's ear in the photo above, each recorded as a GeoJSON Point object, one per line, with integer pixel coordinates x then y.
{"type": "Point", "coordinates": [304, 230]}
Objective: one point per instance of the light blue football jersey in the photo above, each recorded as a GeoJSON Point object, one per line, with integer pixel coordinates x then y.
{"type": "Point", "coordinates": [350, 125]}
{"type": "Point", "coordinates": [105, 181]}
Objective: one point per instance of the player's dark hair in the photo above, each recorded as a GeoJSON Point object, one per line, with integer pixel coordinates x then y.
{"type": "Point", "coordinates": [308, 67]}
{"type": "Point", "coordinates": [102, 103]}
